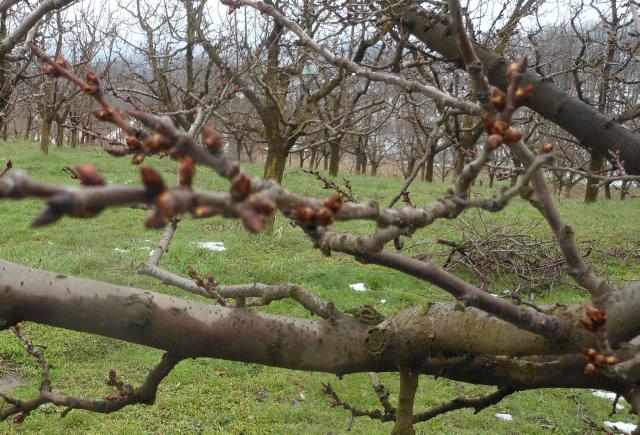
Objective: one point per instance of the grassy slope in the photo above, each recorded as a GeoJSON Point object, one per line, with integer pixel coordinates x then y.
{"type": "Point", "coordinates": [214, 396]}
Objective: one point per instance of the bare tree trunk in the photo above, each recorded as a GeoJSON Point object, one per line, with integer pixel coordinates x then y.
{"type": "Point", "coordinates": [45, 138]}
{"type": "Point", "coordinates": [27, 133]}
{"type": "Point", "coordinates": [429, 168]}
{"type": "Point", "coordinates": [74, 138]}
{"type": "Point", "coordinates": [595, 166]}
{"type": "Point", "coordinates": [59, 133]}
{"type": "Point", "coordinates": [275, 164]}
{"type": "Point", "coordinates": [334, 157]}
{"type": "Point", "coordinates": [312, 159]}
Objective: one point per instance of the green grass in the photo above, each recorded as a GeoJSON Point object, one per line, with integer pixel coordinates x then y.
{"type": "Point", "coordinates": [211, 396]}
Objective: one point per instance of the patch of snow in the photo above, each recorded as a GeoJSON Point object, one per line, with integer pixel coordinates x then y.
{"type": "Point", "coordinates": [607, 395]}
{"type": "Point", "coordinates": [302, 396]}
{"type": "Point", "coordinates": [625, 428]}
{"type": "Point", "coordinates": [383, 301]}
{"type": "Point", "coordinates": [212, 246]}
{"type": "Point", "coordinates": [604, 394]}
{"type": "Point", "coordinates": [358, 286]}
{"type": "Point", "coordinates": [504, 417]}
{"type": "Point", "coordinates": [120, 250]}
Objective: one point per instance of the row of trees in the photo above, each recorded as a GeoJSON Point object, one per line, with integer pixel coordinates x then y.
{"type": "Point", "coordinates": [405, 78]}
{"type": "Point", "coordinates": [275, 98]}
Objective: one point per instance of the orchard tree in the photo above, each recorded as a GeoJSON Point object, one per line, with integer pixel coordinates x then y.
{"type": "Point", "coordinates": [479, 338]}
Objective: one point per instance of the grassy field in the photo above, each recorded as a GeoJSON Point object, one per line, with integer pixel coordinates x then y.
{"type": "Point", "coordinates": [213, 396]}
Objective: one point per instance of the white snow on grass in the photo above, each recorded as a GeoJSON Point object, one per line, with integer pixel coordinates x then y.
{"type": "Point", "coordinates": [383, 301]}
{"type": "Point", "coordinates": [604, 394]}
{"type": "Point", "coordinates": [120, 250]}
{"type": "Point", "coordinates": [212, 246]}
{"type": "Point", "coordinates": [504, 417]}
{"type": "Point", "coordinates": [625, 428]}
{"type": "Point", "coordinates": [610, 396]}
{"type": "Point", "coordinates": [358, 286]}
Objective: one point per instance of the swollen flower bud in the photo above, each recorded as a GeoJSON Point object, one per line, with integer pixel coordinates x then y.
{"type": "Point", "coordinates": [186, 171]}
{"type": "Point", "coordinates": [512, 136]}
{"type": "Point", "coordinates": [546, 148]}
{"type": "Point", "coordinates": [498, 99]}
{"type": "Point", "coordinates": [494, 141]}
{"type": "Point", "coordinates": [89, 175]}
{"type": "Point", "coordinates": [211, 138]}
{"type": "Point", "coordinates": [240, 187]}
{"type": "Point", "coordinates": [333, 203]}
{"type": "Point", "coordinates": [152, 180]}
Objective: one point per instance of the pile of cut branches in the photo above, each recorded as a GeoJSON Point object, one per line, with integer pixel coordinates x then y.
{"type": "Point", "coordinates": [507, 258]}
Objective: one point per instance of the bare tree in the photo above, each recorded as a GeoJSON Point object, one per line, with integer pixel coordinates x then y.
{"type": "Point", "coordinates": [479, 338]}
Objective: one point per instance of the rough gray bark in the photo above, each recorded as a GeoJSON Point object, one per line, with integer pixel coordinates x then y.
{"type": "Point", "coordinates": [591, 128]}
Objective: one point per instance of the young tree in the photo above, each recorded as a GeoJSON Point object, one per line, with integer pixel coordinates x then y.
{"type": "Point", "coordinates": [479, 338]}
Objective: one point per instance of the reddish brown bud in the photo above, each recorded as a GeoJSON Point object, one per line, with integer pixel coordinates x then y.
{"type": "Point", "coordinates": [211, 138]}
{"type": "Point", "coordinates": [596, 315]}
{"type": "Point", "coordinates": [157, 142]}
{"type": "Point", "coordinates": [600, 360]}
{"type": "Point", "coordinates": [89, 175]}
{"type": "Point", "coordinates": [333, 203]}
{"type": "Point", "coordinates": [103, 114]}
{"type": "Point", "coordinates": [590, 369]}
{"type": "Point", "coordinates": [546, 148]}
{"type": "Point", "coordinates": [487, 121]}
{"type": "Point", "coordinates": [186, 171]}
{"type": "Point", "coordinates": [137, 159]}
{"type": "Point", "coordinates": [612, 360]}
{"type": "Point", "coordinates": [498, 99]}
{"type": "Point", "coordinates": [494, 141]}
{"type": "Point", "coordinates": [50, 71]}
{"type": "Point", "coordinates": [152, 180]}
{"type": "Point", "coordinates": [203, 211]}
{"type": "Point", "coordinates": [90, 89]}
{"type": "Point", "coordinates": [240, 187]}
{"type": "Point", "coordinates": [523, 94]}
{"type": "Point", "coordinates": [591, 353]}
{"type": "Point", "coordinates": [133, 141]}
{"type": "Point", "coordinates": [512, 136]}
{"type": "Point", "coordinates": [592, 311]}
{"type": "Point", "coordinates": [166, 205]}
{"type": "Point", "coordinates": [587, 323]}
{"type": "Point", "coordinates": [62, 62]}
{"type": "Point", "coordinates": [517, 67]}
{"type": "Point", "coordinates": [92, 79]}
{"type": "Point", "coordinates": [324, 216]}
{"type": "Point", "coordinates": [155, 221]}
{"type": "Point", "coordinates": [112, 373]}
{"type": "Point", "coordinates": [499, 127]}
{"type": "Point", "coordinates": [305, 215]}
{"type": "Point", "coordinates": [19, 418]}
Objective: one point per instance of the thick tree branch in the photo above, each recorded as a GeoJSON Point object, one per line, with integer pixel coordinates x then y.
{"type": "Point", "coordinates": [591, 128]}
